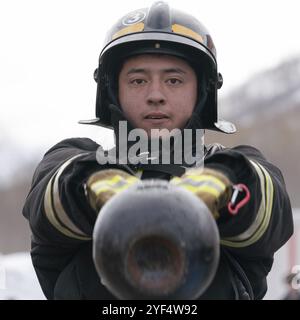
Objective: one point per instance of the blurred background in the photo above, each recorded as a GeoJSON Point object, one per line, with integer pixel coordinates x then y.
{"type": "Point", "coordinates": [49, 50]}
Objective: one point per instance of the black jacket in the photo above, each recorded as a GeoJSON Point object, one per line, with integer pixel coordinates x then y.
{"type": "Point", "coordinates": [62, 222]}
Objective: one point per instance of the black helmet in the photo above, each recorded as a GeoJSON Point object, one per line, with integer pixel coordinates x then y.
{"type": "Point", "coordinates": [160, 29]}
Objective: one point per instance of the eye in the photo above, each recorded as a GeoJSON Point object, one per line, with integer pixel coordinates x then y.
{"type": "Point", "coordinates": [138, 81]}
{"type": "Point", "coordinates": [174, 81]}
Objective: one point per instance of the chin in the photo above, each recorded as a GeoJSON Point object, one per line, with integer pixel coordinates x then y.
{"type": "Point", "coordinates": [162, 133]}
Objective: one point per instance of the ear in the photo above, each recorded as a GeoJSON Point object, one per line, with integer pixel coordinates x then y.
{"type": "Point", "coordinates": [220, 81]}
{"type": "Point", "coordinates": [96, 75]}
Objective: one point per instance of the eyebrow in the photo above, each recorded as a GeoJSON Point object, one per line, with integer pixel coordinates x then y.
{"type": "Point", "coordinates": [169, 70]}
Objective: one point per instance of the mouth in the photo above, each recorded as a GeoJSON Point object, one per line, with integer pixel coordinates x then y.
{"type": "Point", "coordinates": [156, 116]}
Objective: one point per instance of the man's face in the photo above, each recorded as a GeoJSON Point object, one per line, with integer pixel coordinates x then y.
{"type": "Point", "coordinates": [157, 91]}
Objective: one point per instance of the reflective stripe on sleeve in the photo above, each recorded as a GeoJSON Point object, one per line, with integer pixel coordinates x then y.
{"type": "Point", "coordinates": [262, 220]}
{"type": "Point", "coordinates": [54, 210]}
{"type": "Point", "coordinates": [114, 184]}
{"type": "Point", "coordinates": [202, 183]}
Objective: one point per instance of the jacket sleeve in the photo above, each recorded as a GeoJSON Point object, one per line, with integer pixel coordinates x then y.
{"type": "Point", "coordinates": [60, 217]}
{"type": "Point", "coordinates": [265, 223]}
{"type": "Point", "coordinates": [56, 206]}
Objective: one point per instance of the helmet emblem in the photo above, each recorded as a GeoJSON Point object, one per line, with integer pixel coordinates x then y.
{"type": "Point", "coordinates": [134, 17]}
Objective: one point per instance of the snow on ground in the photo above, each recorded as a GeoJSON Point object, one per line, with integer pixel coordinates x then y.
{"type": "Point", "coordinates": [18, 280]}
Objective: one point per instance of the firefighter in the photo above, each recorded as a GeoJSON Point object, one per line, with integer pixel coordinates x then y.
{"type": "Point", "coordinates": [157, 70]}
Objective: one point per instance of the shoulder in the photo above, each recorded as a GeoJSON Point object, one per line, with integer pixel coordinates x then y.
{"type": "Point", "coordinates": [246, 150]}
{"type": "Point", "coordinates": [84, 144]}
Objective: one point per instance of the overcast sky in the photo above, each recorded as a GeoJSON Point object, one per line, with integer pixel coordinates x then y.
{"type": "Point", "coordinates": [49, 50]}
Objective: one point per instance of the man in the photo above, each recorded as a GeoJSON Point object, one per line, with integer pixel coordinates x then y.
{"type": "Point", "coordinates": [158, 70]}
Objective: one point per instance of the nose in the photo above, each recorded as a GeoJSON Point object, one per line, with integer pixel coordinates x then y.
{"type": "Point", "coordinates": [155, 95]}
